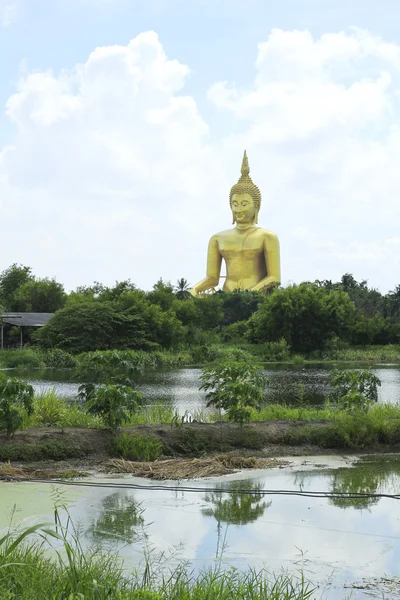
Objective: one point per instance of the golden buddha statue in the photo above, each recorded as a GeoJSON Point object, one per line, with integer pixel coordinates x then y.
{"type": "Point", "coordinates": [251, 254]}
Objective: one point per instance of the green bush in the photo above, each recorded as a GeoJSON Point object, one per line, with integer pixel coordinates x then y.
{"type": "Point", "coordinates": [137, 447]}
{"type": "Point", "coordinates": [187, 440]}
{"type": "Point", "coordinates": [112, 366]}
{"type": "Point", "coordinates": [235, 387]}
{"type": "Point", "coordinates": [276, 351]}
{"type": "Point", "coordinates": [113, 403]}
{"type": "Point", "coordinates": [51, 449]}
{"type": "Point", "coordinates": [26, 358]}
{"type": "Point", "coordinates": [354, 390]}
{"type": "Point", "coordinates": [16, 397]}
{"type": "Point", "coordinates": [55, 358]}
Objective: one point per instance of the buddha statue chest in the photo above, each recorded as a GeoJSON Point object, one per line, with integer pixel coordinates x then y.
{"type": "Point", "coordinates": [247, 245]}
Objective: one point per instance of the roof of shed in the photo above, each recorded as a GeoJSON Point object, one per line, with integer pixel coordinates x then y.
{"type": "Point", "coordinates": [25, 319]}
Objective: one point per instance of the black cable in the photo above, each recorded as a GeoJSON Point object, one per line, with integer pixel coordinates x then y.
{"type": "Point", "coordinates": [159, 487]}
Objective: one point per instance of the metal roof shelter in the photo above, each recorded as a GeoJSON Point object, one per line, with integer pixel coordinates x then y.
{"type": "Point", "coordinates": [23, 319]}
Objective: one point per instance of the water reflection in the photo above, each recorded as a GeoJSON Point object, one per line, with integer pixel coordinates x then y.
{"type": "Point", "coordinates": [235, 507]}
{"type": "Point", "coordinates": [120, 519]}
{"type": "Point", "coordinates": [372, 476]}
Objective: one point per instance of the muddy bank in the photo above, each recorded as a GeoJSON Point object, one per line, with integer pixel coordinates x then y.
{"type": "Point", "coordinates": [92, 447]}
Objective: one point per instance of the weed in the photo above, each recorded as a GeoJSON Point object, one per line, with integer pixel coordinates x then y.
{"type": "Point", "coordinates": [50, 449]}
{"type": "Point", "coordinates": [137, 447]}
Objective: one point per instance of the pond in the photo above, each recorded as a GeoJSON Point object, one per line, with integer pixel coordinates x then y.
{"type": "Point", "coordinates": [180, 387]}
{"type": "Point", "coordinates": [337, 542]}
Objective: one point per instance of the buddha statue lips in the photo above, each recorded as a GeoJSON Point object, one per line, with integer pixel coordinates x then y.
{"type": "Point", "coordinates": [251, 254]}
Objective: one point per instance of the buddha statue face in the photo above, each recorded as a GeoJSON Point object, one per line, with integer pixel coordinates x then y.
{"type": "Point", "coordinates": [244, 210]}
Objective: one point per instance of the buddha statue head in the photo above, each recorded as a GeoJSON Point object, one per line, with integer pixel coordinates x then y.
{"type": "Point", "coordinates": [245, 197]}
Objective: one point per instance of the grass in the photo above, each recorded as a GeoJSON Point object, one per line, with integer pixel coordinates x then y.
{"type": "Point", "coordinates": [49, 410]}
{"type": "Point", "coordinates": [50, 449]}
{"type": "Point", "coordinates": [26, 572]}
{"type": "Point", "coordinates": [137, 447]}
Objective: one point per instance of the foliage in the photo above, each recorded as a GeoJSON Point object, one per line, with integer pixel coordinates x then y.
{"type": "Point", "coordinates": [235, 387]}
{"type": "Point", "coordinates": [137, 447]}
{"type": "Point", "coordinates": [210, 310]}
{"type": "Point", "coordinates": [239, 306]}
{"type": "Point", "coordinates": [10, 280]}
{"type": "Point", "coordinates": [39, 295]}
{"type": "Point", "coordinates": [236, 332]}
{"type": "Point", "coordinates": [306, 316]}
{"type": "Point", "coordinates": [276, 351]}
{"type": "Point", "coordinates": [112, 366]}
{"type": "Point", "coordinates": [49, 410]}
{"type": "Point", "coordinates": [162, 294]}
{"type": "Point", "coordinates": [182, 289]}
{"type": "Point", "coordinates": [54, 358]}
{"type": "Point", "coordinates": [114, 403]}
{"type": "Point", "coordinates": [15, 396]}
{"type": "Point", "coordinates": [354, 389]}
{"type": "Point", "coordinates": [51, 449]}
{"type": "Point", "coordinates": [92, 326]}
{"type": "Point", "coordinates": [27, 358]}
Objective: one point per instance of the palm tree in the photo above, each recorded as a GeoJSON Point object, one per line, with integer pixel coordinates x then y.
{"type": "Point", "coordinates": [182, 289]}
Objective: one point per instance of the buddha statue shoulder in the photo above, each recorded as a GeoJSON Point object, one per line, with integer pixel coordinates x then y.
{"type": "Point", "coordinates": [251, 254]}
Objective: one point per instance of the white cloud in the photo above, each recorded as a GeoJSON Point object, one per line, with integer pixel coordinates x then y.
{"type": "Point", "coordinates": [114, 173]}
{"type": "Point", "coordinates": [8, 12]}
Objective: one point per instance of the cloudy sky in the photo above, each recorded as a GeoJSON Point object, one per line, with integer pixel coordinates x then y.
{"type": "Point", "coordinates": [123, 124]}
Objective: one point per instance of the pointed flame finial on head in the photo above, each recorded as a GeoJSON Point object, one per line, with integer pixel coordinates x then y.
{"type": "Point", "coordinates": [245, 170]}
{"type": "Point", "coordinates": [245, 185]}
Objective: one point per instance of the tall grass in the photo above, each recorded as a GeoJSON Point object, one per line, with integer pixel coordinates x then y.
{"type": "Point", "coordinates": [49, 410]}
{"type": "Point", "coordinates": [26, 572]}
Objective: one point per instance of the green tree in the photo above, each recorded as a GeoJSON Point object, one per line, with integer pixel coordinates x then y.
{"type": "Point", "coordinates": [10, 280]}
{"type": "Point", "coordinates": [162, 294]}
{"type": "Point", "coordinates": [236, 387]}
{"type": "Point", "coordinates": [93, 326]}
{"type": "Point", "coordinates": [182, 289]}
{"type": "Point", "coordinates": [39, 295]}
{"type": "Point", "coordinates": [210, 310]}
{"type": "Point", "coordinates": [306, 316]}
{"type": "Point", "coordinates": [239, 305]}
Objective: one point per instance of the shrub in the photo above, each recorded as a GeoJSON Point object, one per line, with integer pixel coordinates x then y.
{"type": "Point", "coordinates": [111, 366]}
{"type": "Point", "coordinates": [52, 449]}
{"type": "Point", "coordinates": [27, 358]}
{"type": "Point", "coordinates": [137, 447]}
{"type": "Point", "coordinates": [15, 397]}
{"type": "Point", "coordinates": [354, 390]}
{"type": "Point", "coordinates": [55, 358]}
{"type": "Point", "coordinates": [113, 403]}
{"type": "Point", "coordinates": [236, 387]}
{"type": "Point", "coordinates": [276, 351]}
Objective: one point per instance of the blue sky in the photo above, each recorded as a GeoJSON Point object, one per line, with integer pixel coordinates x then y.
{"type": "Point", "coordinates": [299, 161]}
{"type": "Point", "coordinates": [217, 38]}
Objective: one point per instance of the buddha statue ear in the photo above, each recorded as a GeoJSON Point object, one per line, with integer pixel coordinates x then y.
{"type": "Point", "coordinates": [256, 216]}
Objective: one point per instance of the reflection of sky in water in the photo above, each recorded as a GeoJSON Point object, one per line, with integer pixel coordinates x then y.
{"type": "Point", "coordinates": [338, 544]}
{"type": "Point", "coordinates": [181, 386]}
